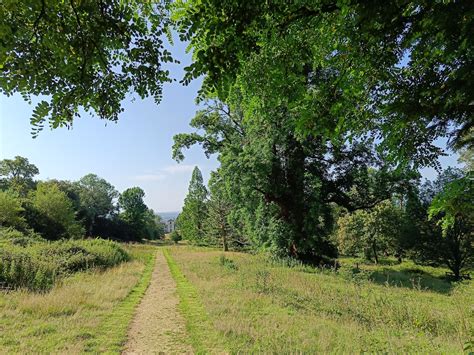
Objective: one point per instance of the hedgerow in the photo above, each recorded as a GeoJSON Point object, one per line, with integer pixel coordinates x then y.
{"type": "Point", "coordinates": [37, 264]}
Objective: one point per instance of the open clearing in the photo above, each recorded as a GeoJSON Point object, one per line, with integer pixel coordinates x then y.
{"type": "Point", "coordinates": [197, 300]}
{"type": "Point", "coordinates": [257, 305]}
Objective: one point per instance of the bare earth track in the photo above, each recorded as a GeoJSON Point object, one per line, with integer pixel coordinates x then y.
{"type": "Point", "coordinates": [158, 327]}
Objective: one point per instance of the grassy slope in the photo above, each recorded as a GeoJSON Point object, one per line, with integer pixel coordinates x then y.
{"type": "Point", "coordinates": [89, 311]}
{"type": "Point", "coordinates": [202, 336]}
{"type": "Point", "coordinates": [258, 306]}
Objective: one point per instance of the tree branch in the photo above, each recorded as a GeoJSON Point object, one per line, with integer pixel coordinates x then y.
{"type": "Point", "coordinates": [305, 12]}
{"type": "Point", "coordinates": [38, 19]}
{"type": "Point", "coordinates": [79, 24]}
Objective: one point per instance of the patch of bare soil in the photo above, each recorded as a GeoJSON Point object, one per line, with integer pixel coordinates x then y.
{"type": "Point", "coordinates": [158, 327]}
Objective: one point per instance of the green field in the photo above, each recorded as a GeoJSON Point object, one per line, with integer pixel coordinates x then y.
{"type": "Point", "coordinates": [88, 311]}
{"type": "Point", "coordinates": [255, 305]}
{"type": "Point", "coordinates": [249, 303]}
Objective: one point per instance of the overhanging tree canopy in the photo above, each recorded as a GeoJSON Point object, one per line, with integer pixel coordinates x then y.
{"type": "Point", "coordinates": [404, 69]}
{"type": "Point", "coordinates": [82, 54]}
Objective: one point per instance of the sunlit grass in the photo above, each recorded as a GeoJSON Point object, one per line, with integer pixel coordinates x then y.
{"type": "Point", "coordinates": [77, 315]}
{"type": "Point", "coordinates": [202, 335]}
{"type": "Point", "coordinates": [37, 264]}
{"type": "Point", "coordinates": [257, 305]}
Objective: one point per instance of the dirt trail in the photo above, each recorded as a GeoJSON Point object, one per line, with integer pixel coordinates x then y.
{"type": "Point", "coordinates": [158, 327]}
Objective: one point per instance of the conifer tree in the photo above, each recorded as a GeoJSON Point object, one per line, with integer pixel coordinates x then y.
{"type": "Point", "coordinates": [219, 206]}
{"type": "Point", "coordinates": [192, 219]}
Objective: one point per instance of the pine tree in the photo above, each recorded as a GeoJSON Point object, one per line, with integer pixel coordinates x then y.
{"type": "Point", "coordinates": [192, 219]}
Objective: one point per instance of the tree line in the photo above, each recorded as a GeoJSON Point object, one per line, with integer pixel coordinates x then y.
{"type": "Point", "coordinates": [61, 209]}
{"type": "Point", "coordinates": [429, 222]}
{"type": "Point", "coordinates": [315, 109]}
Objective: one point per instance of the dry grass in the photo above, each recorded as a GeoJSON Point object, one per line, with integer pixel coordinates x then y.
{"type": "Point", "coordinates": [69, 317]}
{"type": "Point", "coordinates": [256, 305]}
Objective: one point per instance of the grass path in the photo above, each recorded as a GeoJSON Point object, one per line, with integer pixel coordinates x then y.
{"type": "Point", "coordinates": [158, 326]}
{"type": "Point", "coordinates": [202, 334]}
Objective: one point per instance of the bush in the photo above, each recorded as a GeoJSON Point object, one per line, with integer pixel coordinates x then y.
{"type": "Point", "coordinates": [37, 265]}
{"type": "Point", "coordinates": [11, 211]}
{"type": "Point", "coordinates": [176, 236]}
{"type": "Point", "coordinates": [73, 256]}
{"type": "Point", "coordinates": [227, 263]}
{"type": "Point", "coordinates": [8, 234]}
{"type": "Point", "coordinates": [13, 236]}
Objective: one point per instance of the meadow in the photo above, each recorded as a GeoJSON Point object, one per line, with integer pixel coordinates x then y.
{"type": "Point", "coordinates": [86, 311]}
{"type": "Point", "coordinates": [243, 303]}
{"type": "Point", "coordinates": [328, 129]}
{"type": "Point", "coordinates": [250, 303]}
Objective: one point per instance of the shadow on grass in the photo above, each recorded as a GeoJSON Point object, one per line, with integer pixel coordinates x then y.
{"type": "Point", "coordinates": [411, 278]}
{"type": "Point", "coordinates": [384, 262]}
{"type": "Point", "coordinates": [159, 242]}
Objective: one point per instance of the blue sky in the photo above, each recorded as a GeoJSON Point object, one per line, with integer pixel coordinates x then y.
{"type": "Point", "coordinates": [135, 151]}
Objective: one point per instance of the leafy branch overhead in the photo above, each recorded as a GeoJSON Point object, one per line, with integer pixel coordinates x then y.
{"type": "Point", "coordinates": [401, 71]}
{"type": "Point", "coordinates": [82, 55]}
{"type": "Point", "coordinates": [454, 203]}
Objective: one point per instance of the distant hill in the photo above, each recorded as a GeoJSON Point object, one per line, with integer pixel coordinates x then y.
{"type": "Point", "coordinates": [168, 215]}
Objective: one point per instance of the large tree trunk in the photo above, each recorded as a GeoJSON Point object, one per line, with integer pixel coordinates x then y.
{"type": "Point", "coordinates": [224, 242]}
{"type": "Point", "coordinates": [91, 226]}
{"type": "Point", "coordinates": [287, 190]}
{"type": "Point", "coordinates": [292, 195]}
{"type": "Point", "coordinates": [374, 250]}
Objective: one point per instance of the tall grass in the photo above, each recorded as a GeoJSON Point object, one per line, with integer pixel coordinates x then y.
{"type": "Point", "coordinates": [37, 264]}
{"type": "Point", "coordinates": [262, 306]}
{"type": "Point", "coordinates": [85, 312]}
{"type": "Point", "coordinates": [112, 333]}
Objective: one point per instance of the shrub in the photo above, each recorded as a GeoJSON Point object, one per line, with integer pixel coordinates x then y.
{"type": "Point", "coordinates": [8, 234]}
{"type": "Point", "coordinates": [227, 263]}
{"type": "Point", "coordinates": [37, 265]}
{"type": "Point", "coordinates": [20, 267]}
{"type": "Point", "coordinates": [176, 236]}
{"type": "Point", "coordinates": [13, 236]}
